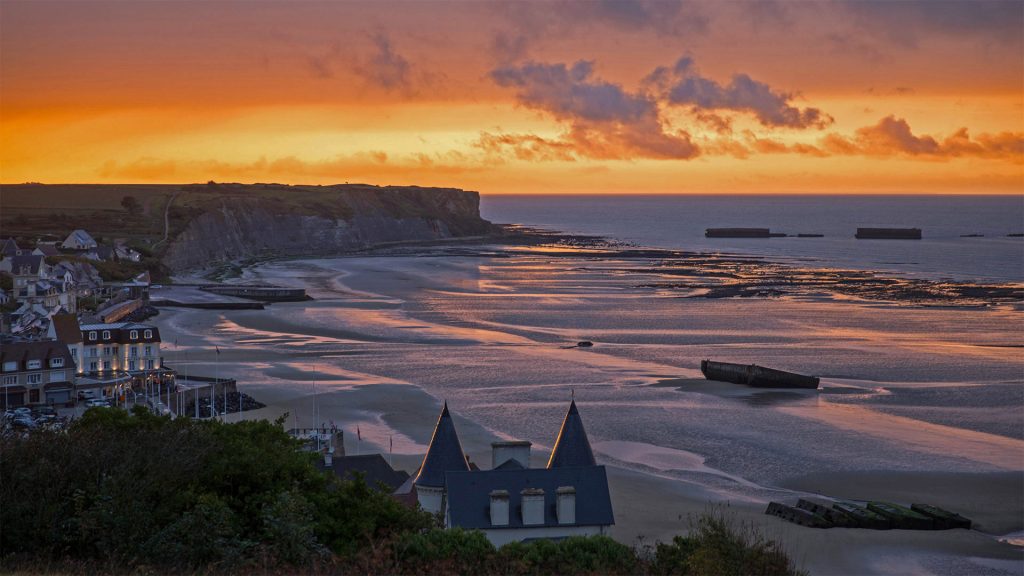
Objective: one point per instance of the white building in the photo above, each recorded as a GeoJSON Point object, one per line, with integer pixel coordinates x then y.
{"type": "Point", "coordinates": [79, 240]}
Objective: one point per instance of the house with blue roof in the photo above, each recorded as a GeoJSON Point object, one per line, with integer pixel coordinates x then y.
{"type": "Point", "coordinates": [512, 501]}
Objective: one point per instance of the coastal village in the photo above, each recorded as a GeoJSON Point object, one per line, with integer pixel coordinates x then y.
{"type": "Point", "coordinates": [73, 341]}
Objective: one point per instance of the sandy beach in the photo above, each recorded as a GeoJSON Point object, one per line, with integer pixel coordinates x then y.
{"type": "Point", "coordinates": [917, 404]}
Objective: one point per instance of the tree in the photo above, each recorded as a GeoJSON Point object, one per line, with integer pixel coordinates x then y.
{"type": "Point", "coordinates": [131, 205]}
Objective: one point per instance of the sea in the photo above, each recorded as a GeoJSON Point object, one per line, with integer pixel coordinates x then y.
{"type": "Point", "coordinates": [679, 221]}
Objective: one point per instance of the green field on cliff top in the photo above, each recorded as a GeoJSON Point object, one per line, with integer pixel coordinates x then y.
{"type": "Point", "coordinates": [34, 212]}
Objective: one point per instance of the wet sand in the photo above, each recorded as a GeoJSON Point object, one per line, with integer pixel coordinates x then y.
{"type": "Point", "coordinates": [389, 338]}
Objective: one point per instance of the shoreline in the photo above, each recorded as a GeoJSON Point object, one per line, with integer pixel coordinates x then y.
{"type": "Point", "coordinates": [362, 320]}
{"type": "Point", "coordinates": [719, 275]}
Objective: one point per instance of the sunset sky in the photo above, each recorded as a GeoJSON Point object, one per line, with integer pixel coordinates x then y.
{"type": "Point", "coordinates": [524, 97]}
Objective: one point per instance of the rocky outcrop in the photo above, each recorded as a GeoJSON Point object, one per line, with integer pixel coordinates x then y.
{"type": "Point", "coordinates": [339, 219]}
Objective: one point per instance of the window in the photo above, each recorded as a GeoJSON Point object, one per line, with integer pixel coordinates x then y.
{"type": "Point", "coordinates": [106, 334]}
{"type": "Point", "coordinates": [58, 376]}
{"type": "Point", "coordinates": [10, 366]}
{"type": "Point", "coordinates": [133, 335]}
{"type": "Point", "coordinates": [92, 335]}
{"type": "Point", "coordinates": [133, 351]}
{"type": "Point", "coordinates": [35, 364]}
{"type": "Point", "coordinates": [149, 350]}
{"type": "Point", "coordinates": [93, 366]}
{"type": "Point", "coordinates": [56, 363]}
{"type": "Point", "coordinates": [33, 395]}
{"type": "Point", "coordinates": [107, 350]}
{"type": "Point", "coordinates": [36, 378]}
{"type": "Point", "coordinates": [131, 365]}
{"type": "Point", "coordinates": [10, 380]}
{"type": "Point", "coordinates": [149, 334]}
{"type": "Point", "coordinates": [149, 364]}
{"type": "Point", "coordinates": [93, 352]}
{"type": "Point", "coordinates": [106, 364]}
{"type": "Point", "coordinates": [74, 352]}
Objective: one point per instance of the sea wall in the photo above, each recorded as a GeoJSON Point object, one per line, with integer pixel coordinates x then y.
{"type": "Point", "coordinates": [343, 220]}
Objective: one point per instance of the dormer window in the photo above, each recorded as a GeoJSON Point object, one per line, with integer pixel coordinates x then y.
{"type": "Point", "coordinates": [149, 333]}
{"type": "Point", "coordinates": [106, 334]}
{"type": "Point", "coordinates": [10, 366]}
{"type": "Point", "coordinates": [35, 364]}
{"type": "Point", "coordinates": [134, 335]}
{"type": "Point", "coordinates": [56, 363]}
{"type": "Point", "coordinates": [92, 335]}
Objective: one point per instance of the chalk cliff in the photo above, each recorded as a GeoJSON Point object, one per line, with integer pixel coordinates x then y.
{"type": "Point", "coordinates": [320, 221]}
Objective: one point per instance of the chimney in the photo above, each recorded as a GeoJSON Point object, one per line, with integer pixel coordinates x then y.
{"type": "Point", "coordinates": [533, 506]}
{"type": "Point", "coordinates": [518, 450]}
{"type": "Point", "coordinates": [565, 508]}
{"type": "Point", "coordinates": [499, 508]}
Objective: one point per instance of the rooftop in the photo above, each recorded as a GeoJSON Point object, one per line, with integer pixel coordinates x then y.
{"type": "Point", "coordinates": [469, 495]}
{"type": "Point", "coordinates": [444, 453]}
{"type": "Point", "coordinates": [572, 448]}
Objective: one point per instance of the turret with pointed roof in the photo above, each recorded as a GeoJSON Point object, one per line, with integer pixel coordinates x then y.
{"type": "Point", "coordinates": [572, 447]}
{"type": "Point", "coordinates": [443, 455]}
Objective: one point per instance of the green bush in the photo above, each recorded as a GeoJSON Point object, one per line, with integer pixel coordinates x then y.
{"type": "Point", "coordinates": [577, 555]}
{"type": "Point", "coordinates": [136, 489]}
{"type": "Point", "coordinates": [717, 547]}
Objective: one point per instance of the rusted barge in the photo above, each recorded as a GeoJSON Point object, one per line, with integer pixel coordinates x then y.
{"type": "Point", "coordinates": [756, 376]}
{"type": "Point", "coordinates": [888, 234]}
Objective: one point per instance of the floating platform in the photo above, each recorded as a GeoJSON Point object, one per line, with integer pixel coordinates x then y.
{"type": "Point", "coordinates": [888, 234]}
{"type": "Point", "coordinates": [943, 519]}
{"type": "Point", "coordinates": [900, 517]}
{"type": "Point", "coordinates": [756, 376]}
{"type": "Point", "coordinates": [738, 233]}
{"type": "Point", "coordinates": [873, 516]}
{"type": "Point", "coordinates": [797, 515]}
{"type": "Point", "coordinates": [862, 517]}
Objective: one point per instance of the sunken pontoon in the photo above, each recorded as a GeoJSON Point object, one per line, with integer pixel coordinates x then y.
{"type": "Point", "coordinates": [756, 376]}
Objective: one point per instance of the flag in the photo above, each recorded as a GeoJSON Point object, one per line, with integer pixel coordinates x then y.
{"type": "Point", "coordinates": [391, 443]}
{"type": "Point", "coordinates": [358, 433]}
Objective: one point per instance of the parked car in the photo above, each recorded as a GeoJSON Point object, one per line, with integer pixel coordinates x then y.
{"type": "Point", "coordinates": [22, 411]}
{"type": "Point", "coordinates": [47, 410]}
{"type": "Point", "coordinates": [97, 403]}
{"type": "Point", "coordinates": [24, 422]}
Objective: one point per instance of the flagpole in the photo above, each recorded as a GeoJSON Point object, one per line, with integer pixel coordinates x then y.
{"type": "Point", "coordinates": [316, 411]}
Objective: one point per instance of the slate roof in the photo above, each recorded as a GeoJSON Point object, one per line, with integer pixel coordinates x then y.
{"type": "Point", "coordinates": [374, 467]}
{"type": "Point", "coordinates": [48, 250]}
{"type": "Point", "coordinates": [66, 329]}
{"type": "Point", "coordinates": [119, 332]}
{"type": "Point", "coordinates": [9, 247]}
{"type": "Point", "coordinates": [29, 261]}
{"type": "Point", "coordinates": [572, 448]}
{"type": "Point", "coordinates": [469, 495]}
{"type": "Point", "coordinates": [444, 453]}
{"type": "Point", "coordinates": [80, 237]}
{"type": "Point", "coordinates": [44, 350]}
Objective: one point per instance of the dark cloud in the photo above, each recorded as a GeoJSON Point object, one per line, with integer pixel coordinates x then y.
{"type": "Point", "coordinates": [603, 119]}
{"type": "Point", "coordinates": [903, 21]}
{"type": "Point", "coordinates": [386, 68]}
{"type": "Point", "coordinates": [682, 85]}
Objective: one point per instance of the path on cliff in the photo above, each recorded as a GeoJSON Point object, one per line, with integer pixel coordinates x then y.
{"type": "Point", "coordinates": [167, 219]}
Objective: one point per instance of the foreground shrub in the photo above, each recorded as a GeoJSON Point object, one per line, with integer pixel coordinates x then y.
{"type": "Point", "coordinates": [717, 546]}
{"type": "Point", "coordinates": [577, 555]}
{"type": "Point", "coordinates": [136, 489]}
